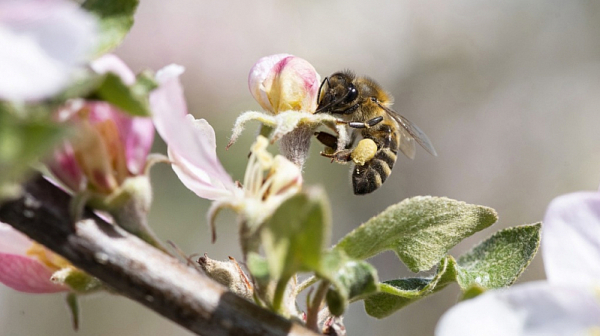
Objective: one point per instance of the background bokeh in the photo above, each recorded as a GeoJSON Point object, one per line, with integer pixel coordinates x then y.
{"type": "Point", "coordinates": [508, 92]}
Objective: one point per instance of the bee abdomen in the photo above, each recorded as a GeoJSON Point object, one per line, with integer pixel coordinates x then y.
{"type": "Point", "coordinates": [370, 176]}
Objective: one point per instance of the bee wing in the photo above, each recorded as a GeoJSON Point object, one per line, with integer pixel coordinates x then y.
{"type": "Point", "coordinates": [407, 143]}
{"type": "Point", "coordinates": [413, 131]}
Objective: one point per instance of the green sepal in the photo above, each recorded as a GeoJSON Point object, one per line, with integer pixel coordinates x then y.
{"type": "Point", "coordinates": [73, 306]}
{"type": "Point", "coordinates": [77, 280]}
{"type": "Point", "coordinates": [420, 230]}
{"type": "Point", "coordinates": [116, 19]}
{"type": "Point", "coordinates": [130, 99]}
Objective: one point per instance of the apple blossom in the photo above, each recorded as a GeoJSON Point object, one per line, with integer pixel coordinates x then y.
{"type": "Point", "coordinates": [286, 87]}
{"type": "Point", "coordinates": [109, 146]}
{"type": "Point", "coordinates": [104, 162]}
{"type": "Point", "coordinates": [268, 180]}
{"type": "Point", "coordinates": [567, 303]}
{"type": "Point", "coordinates": [42, 44]}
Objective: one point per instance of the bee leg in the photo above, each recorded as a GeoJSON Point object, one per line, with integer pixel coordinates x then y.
{"type": "Point", "coordinates": [327, 139]}
{"type": "Point", "coordinates": [342, 156]}
{"type": "Point", "coordinates": [368, 124]}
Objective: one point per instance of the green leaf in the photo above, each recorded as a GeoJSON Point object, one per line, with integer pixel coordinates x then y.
{"type": "Point", "coordinates": [22, 142]}
{"type": "Point", "coordinates": [396, 294]}
{"type": "Point", "coordinates": [131, 99]}
{"type": "Point", "coordinates": [294, 236]}
{"type": "Point", "coordinates": [499, 260]}
{"type": "Point", "coordinates": [496, 262]}
{"type": "Point", "coordinates": [259, 268]}
{"type": "Point", "coordinates": [82, 87]}
{"type": "Point", "coordinates": [420, 230]}
{"type": "Point", "coordinates": [294, 239]}
{"type": "Point", "coordinates": [351, 279]}
{"type": "Point", "coordinates": [116, 18]}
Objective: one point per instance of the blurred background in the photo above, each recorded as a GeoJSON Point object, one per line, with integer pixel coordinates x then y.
{"type": "Point", "coordinates": [508, 92]}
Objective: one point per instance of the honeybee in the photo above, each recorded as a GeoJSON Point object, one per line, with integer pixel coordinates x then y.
{"type": "Point", "coordinates": [364, 106]}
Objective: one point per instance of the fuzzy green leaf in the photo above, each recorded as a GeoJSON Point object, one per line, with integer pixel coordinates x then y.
{"type": "Point", "coordinates": [494, 263]}
{"type": "Point", "coordinates": [116, 19]}
{"type": "Point", "coordinates": [350, 278]}
{"type": "Point", "coordinates": [499, 260]}
{"type": "Point", "coordinates": [420, 230]}
{"type": "Point", "coordinates": [396, 294]}
{"type": "Point", "coordinates": [294, 237]}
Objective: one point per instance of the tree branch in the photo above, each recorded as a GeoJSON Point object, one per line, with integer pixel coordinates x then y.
{"type": "Point", "coordinates": [137, 270]}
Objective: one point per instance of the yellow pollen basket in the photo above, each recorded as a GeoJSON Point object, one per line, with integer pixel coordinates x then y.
{"type": "Point", "coordinates": [364, 152]}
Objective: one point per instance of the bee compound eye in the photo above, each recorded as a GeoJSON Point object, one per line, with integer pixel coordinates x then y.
{"type": "Point", "coordinates": [352, 93]}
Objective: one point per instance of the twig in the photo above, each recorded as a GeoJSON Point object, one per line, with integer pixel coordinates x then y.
{"type": "Point", "coordinates": [312, 321]}
{"type": "Point", "coordinates": [137, 270]}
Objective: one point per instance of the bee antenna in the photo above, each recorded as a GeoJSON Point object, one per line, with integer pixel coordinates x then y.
{"type": "Point", "coordinates": [320, 88]}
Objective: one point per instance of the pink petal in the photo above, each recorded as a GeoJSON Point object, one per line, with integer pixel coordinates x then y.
{"type": "Point", "coordinates": [192, 142]}
{"type": "Point", "coordinates": [139, 138]}
{"type": "Point", "coordinates": [571, 239]}
{"type": "Point", "coordinates": [258, 74]}
{"type": "Point", "coordinates": [13, 241]}
{"type": "Point", "coordinates": [298, 85]}
{"type": "Point", "coordinates": [26, 275]}
{"type": "Point", "coordinates": [64, 166]}
{"type": "Point", "coordinates": [284, 82]}
{"type": "Point", "coordinates": [111, 63]}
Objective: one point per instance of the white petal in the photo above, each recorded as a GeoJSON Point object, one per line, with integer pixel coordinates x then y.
{"type": "Point", "coordinates": [571, 239]}
{"type": "Point", "coordinates": [41, 44]}
{"type": "Point", "coordinates": [533, 309]}
{"type": "Point", "coordinates": [192, 141]}
{"type": "Point", "coordinates": [197, 180]}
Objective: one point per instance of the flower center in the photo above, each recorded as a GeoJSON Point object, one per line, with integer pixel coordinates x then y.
{"type": "Point", "coordinates": [100, 153]}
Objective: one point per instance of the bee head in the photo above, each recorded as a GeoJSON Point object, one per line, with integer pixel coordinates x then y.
{"type": "Point", "coordinates": [337, 93]}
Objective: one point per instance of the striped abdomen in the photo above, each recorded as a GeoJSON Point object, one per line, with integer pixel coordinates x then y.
{"type": "Point", "coordinates": [370, 176]}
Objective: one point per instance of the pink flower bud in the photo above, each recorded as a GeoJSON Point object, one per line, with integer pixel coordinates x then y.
{"type": "Point", "coordinates": [108, 146]}
{"type": "Point", "coordinates": [284, 83]}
